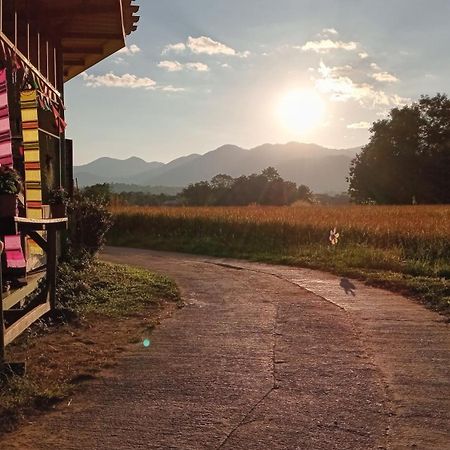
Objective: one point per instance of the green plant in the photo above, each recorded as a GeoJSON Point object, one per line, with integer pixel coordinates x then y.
{"type": "Point", "coordinates": [58, 196]}
{"type": "Point", "coordinates": [10, 182]}
{"type": "Point", "coordinates": [89, 221]}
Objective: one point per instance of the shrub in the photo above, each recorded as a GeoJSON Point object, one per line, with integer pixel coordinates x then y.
{"type": "Point", "coordinates": [89, 221]}
{"type": "Point", "coordinates": [10, 182]}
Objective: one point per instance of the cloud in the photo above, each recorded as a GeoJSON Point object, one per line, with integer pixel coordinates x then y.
{"type": "Point", "coordinates": [375, 66]}
{"type": "Point", "coordinates": [127, 81]}
{"type": "Point", "coordinates": [124, 81]}
{"type": "Point", "coordinates": [204, 45]}
{"type": "Point", "coordinates": [170, 88]}
{"type": "Point", "coordinates": [330, 31]}
{"type": "Point", "coordinates": [175, 66]}
{"type": "Point", "coordinates": [342, 88]}
{"type": "Point", "coordinates": [326, 45]}
{"type": "Point", "coordinates": [176, 48]}
{"type": "Point", "coordinates": [384, 77]}
{"type": "Point", "coordinates": [171, 66]}
{"type": "Point", "coordinates": [359, 126]}
{"type": "Point", "coordinates": [197, 67]}
{"type": "Point", "coordinates": [363, 55]}
{"type": "Point", "coordinates": [131, 50]}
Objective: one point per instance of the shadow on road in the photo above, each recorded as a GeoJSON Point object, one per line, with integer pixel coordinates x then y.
{"type": "Point", "coordinates": [348, 286]}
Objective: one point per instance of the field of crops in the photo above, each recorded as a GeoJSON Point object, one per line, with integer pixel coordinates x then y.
{"type": "Point", "coordinates": [406, 241]}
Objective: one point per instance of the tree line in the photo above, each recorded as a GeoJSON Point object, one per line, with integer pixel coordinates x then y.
{"type": "Point", "coordinates": [265, 188]}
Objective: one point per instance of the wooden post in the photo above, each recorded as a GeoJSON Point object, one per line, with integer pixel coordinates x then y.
{"type": "Point", "coordinates": [2, 319]}
{"type": "Point", "coordinates": [51, 267]}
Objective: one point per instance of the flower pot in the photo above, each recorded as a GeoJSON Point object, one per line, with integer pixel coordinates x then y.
{"type": "Point", "coordinates": [8, 205]}
{"type": "Point", "coordinates": [58, 211]}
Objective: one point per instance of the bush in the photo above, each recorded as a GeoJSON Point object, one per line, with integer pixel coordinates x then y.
{"type": "Point", "coordinates": [10, 182]}
{"type": "Point", "coordinates": [89, 221]}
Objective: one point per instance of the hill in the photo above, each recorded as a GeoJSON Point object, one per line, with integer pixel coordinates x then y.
{"type": "Point", "coordinates": [323, 169]}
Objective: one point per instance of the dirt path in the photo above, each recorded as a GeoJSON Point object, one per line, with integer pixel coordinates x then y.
{"type": "Point", "coordinates": [266, 357]}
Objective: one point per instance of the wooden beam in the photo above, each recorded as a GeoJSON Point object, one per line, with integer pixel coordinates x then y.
{"type": "Point", "coordinates": [2, 317]}
{"type": "Point", "coordinates": [83, 50]}
{"type": "Point", "coordinates": [26, 225]}
{"type": "Point", "coordinates": [74, 62]}
{"type": "Point", "coordinates": [78, 11]}
{"type": "Point", "coordinates": [52, 263]}
{"type": "Point", "coordinates": [90, 36]}
{"type": "Point", "coordinates": [22, 324]}
{"type": "Point", "coordinates": [14, 298]}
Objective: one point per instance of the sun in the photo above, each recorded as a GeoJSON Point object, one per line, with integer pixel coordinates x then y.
{"type": "Point", "coordinates": [301, 111]}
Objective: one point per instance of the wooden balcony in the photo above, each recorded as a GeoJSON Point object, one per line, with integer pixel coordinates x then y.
{"type": "Point", "coordinates": [17, 314]}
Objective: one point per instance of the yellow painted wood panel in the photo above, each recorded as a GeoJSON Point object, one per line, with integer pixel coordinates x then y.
{"type": "Point", "coordinates": [29, 115]}
{"type": "Point", "coordinates": [34, 195]}
{"type": "Point", "coordinates": [32, 156]}
{"type": "Point", "coordinates": [32, 175]}
{"type": "Point", "coordinates": [30, 135]}
{"type": "Point", "coordinates": [34, 213]}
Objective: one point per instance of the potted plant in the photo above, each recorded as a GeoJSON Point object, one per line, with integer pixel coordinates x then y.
{"type": "Point", "coordinates": [10, 187]}
{"type": "Point", "coordinates": [58, 200]}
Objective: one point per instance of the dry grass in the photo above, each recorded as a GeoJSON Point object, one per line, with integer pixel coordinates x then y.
{"type": "Point", "coordinates": [409, 243]}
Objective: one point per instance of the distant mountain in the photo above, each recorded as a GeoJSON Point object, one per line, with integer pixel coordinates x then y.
{"type": "Point", "coordinates": [109, 170]}
{"type": "Point", "coordinates": [322, 169]}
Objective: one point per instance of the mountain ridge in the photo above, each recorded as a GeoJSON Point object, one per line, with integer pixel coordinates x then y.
{"type": "Point", "coordinates": [321, 168]}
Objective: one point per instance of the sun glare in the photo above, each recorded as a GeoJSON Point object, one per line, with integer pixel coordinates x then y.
{"type": "Point", "coordinates": [301, 111]}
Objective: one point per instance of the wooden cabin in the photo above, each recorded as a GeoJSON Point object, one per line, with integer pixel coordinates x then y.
{"type": "Point", "coordinates": [43, 44]}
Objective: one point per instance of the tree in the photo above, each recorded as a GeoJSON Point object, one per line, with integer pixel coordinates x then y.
{"type": "Point", "coordinates": [271, 174]}
{"type": "Point", "coordinates": [304, 193]}
{"type": "Point", "coordinates": [98, 192]}
{"type": "Point", "coordinates": [408, 156]}
{"type": "Point", "coordinates": [198, 194]}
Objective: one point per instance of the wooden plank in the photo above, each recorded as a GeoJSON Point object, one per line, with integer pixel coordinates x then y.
{"type": "Point", "coordinates": [24, 220]}
{"type": "Point", "coordinates": [15, 330]}
{"type": "Point", "coordinates": [27, 225]}
{"type": "Point", "coordinates": [2, 319]}
{"type": "Point", "coordinates": [52, 262]}
{"type": "Point", "coordinates": [14, 298]}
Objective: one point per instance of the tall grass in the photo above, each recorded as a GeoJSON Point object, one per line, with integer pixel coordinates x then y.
{"type": "Point", "coordinates": [409, 241]}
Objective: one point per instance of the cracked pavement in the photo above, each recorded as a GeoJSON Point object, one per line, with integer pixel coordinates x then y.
{"type": "Point", "coordinates": [265, 357]}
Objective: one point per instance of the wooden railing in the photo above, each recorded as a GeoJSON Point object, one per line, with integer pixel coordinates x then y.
{"type": "Point", "coordinates": [16, 315]}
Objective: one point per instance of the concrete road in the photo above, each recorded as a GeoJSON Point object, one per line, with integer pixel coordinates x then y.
{"type": "Point", "coordinates": [266, 357]}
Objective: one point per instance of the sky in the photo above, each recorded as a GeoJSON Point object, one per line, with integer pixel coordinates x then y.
{"type": "Point", "coordinates": [199, 74]}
